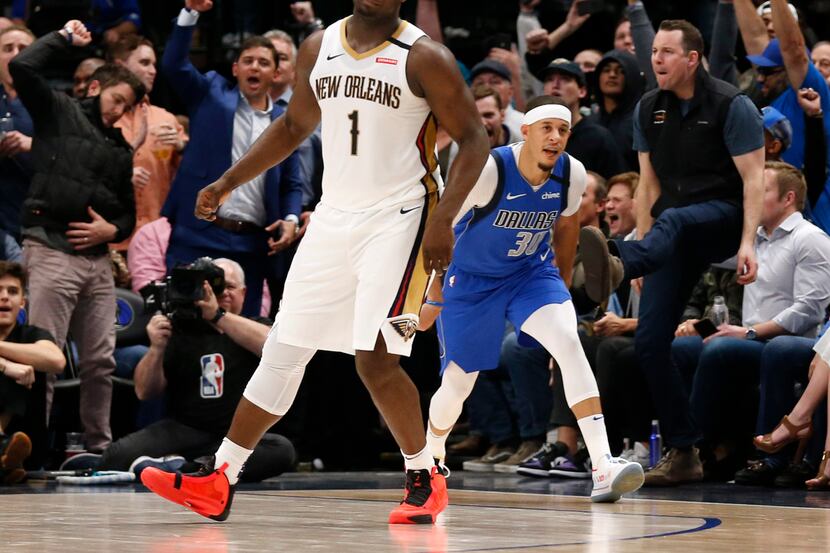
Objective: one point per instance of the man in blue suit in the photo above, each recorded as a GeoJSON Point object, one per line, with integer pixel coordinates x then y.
{"type": "Point", "coordinates": [259, 218]}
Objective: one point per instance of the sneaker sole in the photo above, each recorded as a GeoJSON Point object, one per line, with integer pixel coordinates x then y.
{"type": "Point", "coordinates": [507, 469]}
{"type": "Point", "coordinates": [596, 262]}
{"type": "Point", "coordinates": [413, 519]}
{"type": "Point", "coordinates": [629, 479]}
{"type": "Point", "coordinates": [533, 472]}
{"type": "Point", "coordinates": [81, 461]}
{"type": "Point", "coordinates": [478, 467]}
{"type": "Point", "coordinates": [566, 474]}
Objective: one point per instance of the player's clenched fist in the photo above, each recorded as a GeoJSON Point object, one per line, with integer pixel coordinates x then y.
{"type": "Point", "coordinates": [198, 5]}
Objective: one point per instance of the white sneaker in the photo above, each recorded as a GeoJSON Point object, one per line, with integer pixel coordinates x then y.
{"type": "Point", "coordinates": [640, 455]}
{"type": "Point", "coordinates": [614, 477]}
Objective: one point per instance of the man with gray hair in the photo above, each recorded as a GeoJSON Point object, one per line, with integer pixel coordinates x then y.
{"type": "Point", "coordinates": [310, 153]}
{"type": "Point", "coordinates": [203, 366]}
{"type": "Point", "coordinates": [281, 87]}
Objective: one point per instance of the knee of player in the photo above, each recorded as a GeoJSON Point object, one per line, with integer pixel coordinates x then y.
{"type": "Point", "coordinates": [286, 368]}
{"type": "Point", "coordinates": [375, 368]}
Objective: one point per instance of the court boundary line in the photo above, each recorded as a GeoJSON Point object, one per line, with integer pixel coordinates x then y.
{"type": "Point", "coordinates": [707, 522]}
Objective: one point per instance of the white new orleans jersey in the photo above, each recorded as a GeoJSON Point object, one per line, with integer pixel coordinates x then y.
{"type": "Point", "coordinates": [378, 137]}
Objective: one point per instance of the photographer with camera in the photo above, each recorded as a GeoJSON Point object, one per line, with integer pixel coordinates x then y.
{"type": "Point", "coordinates": [201, 356]}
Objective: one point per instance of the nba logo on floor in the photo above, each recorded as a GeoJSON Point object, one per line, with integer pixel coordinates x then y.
{"type": "Point", "coordinates": [213, 369]}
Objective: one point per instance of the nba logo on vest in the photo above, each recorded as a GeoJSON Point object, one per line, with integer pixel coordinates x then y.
{"type": "Point", "coordinates": [213, 369]}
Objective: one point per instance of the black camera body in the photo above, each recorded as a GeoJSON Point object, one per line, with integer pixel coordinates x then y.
{"type": "Point", "coordinates": [176, 295]}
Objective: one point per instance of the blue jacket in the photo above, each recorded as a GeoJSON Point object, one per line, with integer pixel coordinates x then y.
{"type": "Point", "coordinates": [212, 101]}
{"type": "Point", "coordinates": [16, 171]}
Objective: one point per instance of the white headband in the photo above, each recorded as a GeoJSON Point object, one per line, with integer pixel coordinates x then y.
{"type": "Point", "coordinates": [547, 111]}
{"type": "Point", "coordinates": [766, 8]}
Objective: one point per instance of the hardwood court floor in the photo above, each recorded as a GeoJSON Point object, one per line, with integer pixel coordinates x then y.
{"type": "Point", "coordinates": [347, 512]}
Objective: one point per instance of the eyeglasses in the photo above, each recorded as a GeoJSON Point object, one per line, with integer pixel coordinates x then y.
{"type": "Point", "coordinates": [769, 71]}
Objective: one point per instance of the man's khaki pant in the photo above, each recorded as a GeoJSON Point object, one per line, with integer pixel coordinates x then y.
{"type": "Point", "coordinates": [75, 294]}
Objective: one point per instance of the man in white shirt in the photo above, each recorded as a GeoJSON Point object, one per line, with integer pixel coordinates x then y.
{"type": "Point", "coordinates": [226, 118]}
{"type": "Point", "coordinates": [788, 299]}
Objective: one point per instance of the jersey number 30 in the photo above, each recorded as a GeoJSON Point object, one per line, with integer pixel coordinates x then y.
{"type": "Point", "coordinates": [528, 243]}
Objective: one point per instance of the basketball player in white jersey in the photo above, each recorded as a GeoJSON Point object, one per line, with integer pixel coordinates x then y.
{"type": "Point", "coordinates": [359, 277]}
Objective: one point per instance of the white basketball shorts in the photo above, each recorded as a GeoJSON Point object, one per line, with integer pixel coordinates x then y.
{"type": "Point", "coordinates": [354, 275]}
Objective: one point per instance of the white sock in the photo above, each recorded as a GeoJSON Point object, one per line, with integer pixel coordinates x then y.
{"type": "Point", "coordinates": [235, 456]}
{"type": "Point", "coordinates": [436, 444]}
{"type": "Point", "coordinates": [595, 437]}
{"type": "Point", "coordinates": [419, 461]}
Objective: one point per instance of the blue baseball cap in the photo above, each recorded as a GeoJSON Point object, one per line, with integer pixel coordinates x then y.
{"type": "Point", "coordinates": [771, 56]}
{"type": "Point", "coordinates": [490, 66]}
{"type": "Point", "coordinates": [778, 126]}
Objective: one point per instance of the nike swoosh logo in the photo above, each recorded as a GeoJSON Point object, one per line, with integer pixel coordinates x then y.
{"type": "Point", "coordinates": [545, 256]}
{"type": "Point", "coordinates": [405, 211]}
{"type": "Point", "coordinates": [598, 417]}
{"type": "Point", "coordinates": [512, 197]}
{"type": "Point", "coordinates": [330, 57]}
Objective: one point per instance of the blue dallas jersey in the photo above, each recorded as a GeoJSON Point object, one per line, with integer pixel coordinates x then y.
{"type": "Point", "coordinates": [513, 232]}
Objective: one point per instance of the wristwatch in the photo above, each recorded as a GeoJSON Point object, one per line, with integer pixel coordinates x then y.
{"type": "Point", "coordinates": [751, 333]}
{"type": "Point", "coordinates": [219, 314]}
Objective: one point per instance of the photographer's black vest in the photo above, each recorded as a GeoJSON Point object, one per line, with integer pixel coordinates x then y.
{"type": "Point", "coordinates": [688, 153]}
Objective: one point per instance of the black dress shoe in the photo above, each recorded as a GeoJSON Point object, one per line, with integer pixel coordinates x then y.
{"type": "Point", "coordinates": [795, 475]}
{"type": "Point", "coordinates": [757, 473]}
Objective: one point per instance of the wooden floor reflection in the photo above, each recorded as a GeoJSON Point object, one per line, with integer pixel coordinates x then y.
{"type": "Point", "coordinates": [353, 520]}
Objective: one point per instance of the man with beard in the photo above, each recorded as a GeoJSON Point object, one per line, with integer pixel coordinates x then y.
{"type": "Point", "coordinates": [619, 89]}
{"type": "Point", "coordinates": [784, 68]}
{"type": "Point", "coordinates": [507, 266]}
{"type": "Point", "coordinates": [80, 199]}
{"type": "Point", "coordinates": [589, 141]}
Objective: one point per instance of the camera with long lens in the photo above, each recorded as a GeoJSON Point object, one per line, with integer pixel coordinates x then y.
{"type": "Point", "coordinates": [176, 295]}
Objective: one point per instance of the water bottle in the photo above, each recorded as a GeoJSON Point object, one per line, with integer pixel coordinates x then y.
{"type": "Point", "coordinates": [719, 314]}
{"type": "Point", "coordinates": [655, 444]}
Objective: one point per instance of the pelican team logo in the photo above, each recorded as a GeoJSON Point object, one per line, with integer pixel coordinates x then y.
{"type": "Point", "coordinates": [405, 326]}
{"type": "Point", "coordinates": [212, 380]}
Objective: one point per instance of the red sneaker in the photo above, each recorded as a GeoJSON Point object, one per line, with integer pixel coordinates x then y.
{"type": "Point", "coordinates": [425, 496]}
{"type": "Point", "coordinates": [206, 492]}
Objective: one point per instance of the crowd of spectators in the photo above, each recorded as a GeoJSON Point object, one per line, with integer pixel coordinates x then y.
{"type": "Point", "coordinates": [101, 162]}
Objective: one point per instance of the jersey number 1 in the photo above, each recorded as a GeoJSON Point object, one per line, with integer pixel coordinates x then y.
{"type": "Point", "coordinates": [354, 132]}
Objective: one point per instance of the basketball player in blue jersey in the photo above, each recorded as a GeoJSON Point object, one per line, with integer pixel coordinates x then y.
{"type": "Point", "coordinates": [356, 285]}
{"type": "Point", "coordinates": [503, 267]}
